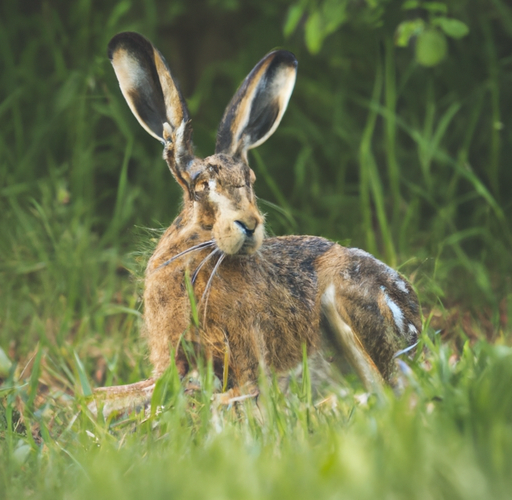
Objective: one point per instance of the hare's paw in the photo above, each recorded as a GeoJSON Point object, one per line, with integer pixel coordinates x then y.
{"type": "Point", "coordinates": [234, 395]}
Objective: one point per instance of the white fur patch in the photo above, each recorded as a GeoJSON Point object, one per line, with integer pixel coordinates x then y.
{"type": "Point", "coordinates": [329, 296]}
{"type": "Point", "coordinates": [397, 280]}
{"type": "Point", "coordinates": [400, 283]}
{"type": "Point", "coordinates": [179, 136]}
{"type": "Point", "coordinates": [395, 310]}
{"type": "Point", "coordinates": [213, 195]}
{"type": "Point", "coordinates": [167, 131]}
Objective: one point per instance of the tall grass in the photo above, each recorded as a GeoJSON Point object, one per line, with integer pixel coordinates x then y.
{"type": "Point", "coordinates": [449, 435]}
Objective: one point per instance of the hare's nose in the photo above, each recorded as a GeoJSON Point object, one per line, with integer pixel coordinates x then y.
{"type": "Point", "coordinates": [246, 229]}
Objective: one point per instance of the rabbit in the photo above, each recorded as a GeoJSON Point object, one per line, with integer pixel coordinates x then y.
{"type": "Point", "coordinates": [259, 299]}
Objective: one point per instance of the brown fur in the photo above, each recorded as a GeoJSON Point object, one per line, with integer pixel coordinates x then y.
{"type": "Point", "coordinates": [260, 300]}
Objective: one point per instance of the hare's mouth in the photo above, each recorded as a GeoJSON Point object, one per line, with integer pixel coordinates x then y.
{"type": "Point", "coordinates": [244, 245]}
{"type": "Point", "coordinates": [248, 247]}
{"type": "Point", "coordinates": [238, 238]}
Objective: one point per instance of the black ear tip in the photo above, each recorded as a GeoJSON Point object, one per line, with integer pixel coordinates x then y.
{"type": "Point", "coordinates": [285, 57]}
{"type": "Point", "coordinates": [112, 45]}
{"type": "Point", "coordinates": [129, 40]}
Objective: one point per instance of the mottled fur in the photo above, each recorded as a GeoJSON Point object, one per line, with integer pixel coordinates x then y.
{"type": "Point", "coordinates": [260, 299]}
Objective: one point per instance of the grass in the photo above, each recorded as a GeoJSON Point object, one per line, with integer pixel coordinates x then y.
{"type": "Point", "coordinates": [374, 151]}
{"type": "Point", "coordinates": [449, 435]}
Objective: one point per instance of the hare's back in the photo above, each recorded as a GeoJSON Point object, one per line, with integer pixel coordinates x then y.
{"type": "Point", "coordinates": [295, 257]}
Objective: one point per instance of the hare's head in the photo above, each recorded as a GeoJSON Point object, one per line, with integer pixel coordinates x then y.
{"type": "Point", "coordinates": [219, 188]}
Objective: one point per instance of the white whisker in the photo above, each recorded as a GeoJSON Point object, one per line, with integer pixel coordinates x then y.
{"type": "Point", "coordinates": [206, 293]}
{"type": "Point", "coordinates": [203, 262]}
{"type": "Point", "coordinates": [204, 244]}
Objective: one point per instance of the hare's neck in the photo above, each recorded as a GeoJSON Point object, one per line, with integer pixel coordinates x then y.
{"type": "Point", "coordinates": [184, 233]}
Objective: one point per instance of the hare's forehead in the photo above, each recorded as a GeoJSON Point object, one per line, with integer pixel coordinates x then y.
{"type": "Point", "coordinates": [227, 170]}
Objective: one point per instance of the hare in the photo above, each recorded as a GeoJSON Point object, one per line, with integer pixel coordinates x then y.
{"type": "Point", "coordinates": [260, 300]}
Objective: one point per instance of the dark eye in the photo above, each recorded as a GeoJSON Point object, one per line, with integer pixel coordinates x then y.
{"type": "Point", "coordinates": [202, 186]}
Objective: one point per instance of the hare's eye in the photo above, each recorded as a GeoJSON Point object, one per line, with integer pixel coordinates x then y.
{"type": "Point", "coordinates": [202, 186]}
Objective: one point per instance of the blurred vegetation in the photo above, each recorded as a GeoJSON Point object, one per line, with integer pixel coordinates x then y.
{"type": "Point", "coordinates": [396, 140]}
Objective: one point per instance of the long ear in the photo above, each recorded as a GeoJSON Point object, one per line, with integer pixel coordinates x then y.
{"type": "Point", "coordinates": [154, 98]}
{"type": "Point", "coordinates": [256, 109]}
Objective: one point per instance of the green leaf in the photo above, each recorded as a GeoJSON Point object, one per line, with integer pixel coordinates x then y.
{"type": "Point", "coordinates": [34, 378]}
{"type": "Point", "coordinates": [406, 30]}
{"type": "Point", "coordinates": [167, 386]}
{"type": "Point", "coordinates": [313, 33]}
{"type": "Point", "coordinates": [452, 27]}
{"type": "Point", "coordinates": [84, 382]}
{"type": "Point", "coordinates": [431, 47]}
{"type": "Point", "coordinates": [334, 14]}
{"type": "Point", "coordinates": [5, 391]}
{"type": "Point", "coordinates": [295, 13]}
{"type": "Point", "coordinates": [323, 22]}
{"type": "Point", "coordinates": [435, 7]}
{"type": "Point", "coordinates": [410, 4]}
{"type": "Point", "coordinates": [158, 396]}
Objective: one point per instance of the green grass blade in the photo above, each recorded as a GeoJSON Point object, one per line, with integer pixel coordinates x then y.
{"type": "Point", "coordinates": [82, 376]}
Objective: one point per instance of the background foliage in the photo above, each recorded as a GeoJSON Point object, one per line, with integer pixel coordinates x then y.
{"type": "Point", "coordinates": [396, 139]}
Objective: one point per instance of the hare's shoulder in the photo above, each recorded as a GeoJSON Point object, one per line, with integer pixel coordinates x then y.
{"type": "Point", "coordinates": [295, 248]}
{"type": "Point", "coordinates": [299, 257]}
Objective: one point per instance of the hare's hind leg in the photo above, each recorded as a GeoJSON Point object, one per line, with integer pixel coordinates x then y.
{"type": "Point", "coordinates": [122, 398]}
{"type": "Point", "coordinates": [349, 343]}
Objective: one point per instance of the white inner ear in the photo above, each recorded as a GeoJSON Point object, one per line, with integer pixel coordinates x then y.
{"type": "Point", "coordinates": [282, 88]}
{"type": "Point", "coordinates": [131, 76]}
{"type": "Point", "coordinates": [180, 131]}
{"type": "Point", "coordinates": [167, 132]}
